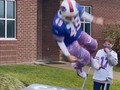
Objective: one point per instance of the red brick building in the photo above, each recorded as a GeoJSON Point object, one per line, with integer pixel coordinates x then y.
{"type": "Point", "coordinates": [25, 27]}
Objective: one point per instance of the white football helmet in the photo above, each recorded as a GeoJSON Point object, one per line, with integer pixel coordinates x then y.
{"type": "Point", "coordinates": [68, 8]}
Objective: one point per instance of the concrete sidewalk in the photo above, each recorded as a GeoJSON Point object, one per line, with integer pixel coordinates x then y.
{"type": "Point", "coordinates": [67, 65]}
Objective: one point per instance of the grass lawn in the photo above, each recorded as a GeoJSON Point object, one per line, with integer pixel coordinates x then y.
{"type": "Point", "coordinates": [30, 74]}
{"type": "Point", "coordinates": [116, 68]}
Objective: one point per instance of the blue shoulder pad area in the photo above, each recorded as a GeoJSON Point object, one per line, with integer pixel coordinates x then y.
{"type": "Point", "coordinates": [58, 28]}
{"type": "Point", "coordinates": [80, 9]}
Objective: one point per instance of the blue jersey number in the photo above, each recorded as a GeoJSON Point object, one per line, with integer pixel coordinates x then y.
{"type": "Point", "coordinates": [73, 27]}
{"type": "Point", "coordinates": [76, 26]}
{"type": "Point", "coordinates": [103, 59]}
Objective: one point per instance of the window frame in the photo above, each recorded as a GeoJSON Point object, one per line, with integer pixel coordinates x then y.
{"type": "Point", "coordinates": [6, 19]}
{"type": "Point", "coordinates": [84, 22]}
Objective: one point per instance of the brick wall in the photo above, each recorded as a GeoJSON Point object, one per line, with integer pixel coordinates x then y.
{"type": "Point", "coordinates": [8, 52]}
{"type": "Point", "coordinates": [34, 39]}
{"type": "Point", "coordinates": [39, 29]}
{"type": "Point", "coordinates": [26, 31]}
{"type": "Point", "coordinates": [49, 49]}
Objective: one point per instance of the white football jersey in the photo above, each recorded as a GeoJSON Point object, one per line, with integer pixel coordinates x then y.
{"type": "Point", "coordinates": [101, 59]}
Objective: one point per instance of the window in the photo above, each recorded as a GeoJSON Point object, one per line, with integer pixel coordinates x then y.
{"type": "Point", "coordinates": [7, 19]}
{"type": "Point", "coordinates": [86, 25]}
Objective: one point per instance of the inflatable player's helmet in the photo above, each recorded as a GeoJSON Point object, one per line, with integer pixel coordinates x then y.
{"type": "Point", "coordinates": [68, 8]}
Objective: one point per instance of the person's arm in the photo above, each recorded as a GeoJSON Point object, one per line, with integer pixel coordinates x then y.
{"type": "Point", "coordinates": [87, 16]}
{"type": "Point", "coordinates": [63, 48]}
{"type": "Point", "coordinates": [112, 60]}
{"type": "Point", "coordinates": [95, 64]}
{"type": "Point", "coordinates": [91, 18]}
{"type": "Point", "coordinates": [95, 61]}
{"type": "Point", "coordinates": [61, 44]}
{"type": "Point", "coordinates": [66, 52]}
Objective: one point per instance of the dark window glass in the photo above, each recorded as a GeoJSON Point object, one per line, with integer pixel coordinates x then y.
{"type": "Point", "coordinates": [10, 29]}
{"type": "Point", "coordinates": [82, 26]}
{"type": "Point", "coordinates": [2, 28]}
{"type": "Point", "coordinates": [10, 9]}
{"type": "Point", "coordinates": [87, 28]}
{"type": "Point", "coordinates": [2, 9]}
{"type": "Point", "coordinates": [87, 9]}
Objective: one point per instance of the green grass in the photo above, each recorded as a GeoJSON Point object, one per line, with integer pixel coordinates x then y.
{"type": "Point", "coordinates": [30, 74]}
{"type": "Point", "coordinates": [7, 82]}
{"type": "Point", "coordinates": [117, 68]}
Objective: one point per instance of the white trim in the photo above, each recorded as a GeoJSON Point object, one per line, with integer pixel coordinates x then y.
{"type": "Point", "coordinates": [15, 19]}
{"type": "Point", "coordinates": [11, 0]}
{"type": "Point", "coordinates": [5, 19]}
{"type": "Point", "coordinates": [7, 39]}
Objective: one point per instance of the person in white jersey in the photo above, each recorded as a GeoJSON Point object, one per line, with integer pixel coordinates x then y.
{"type": "Point", "coordinates": [103, 63]}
